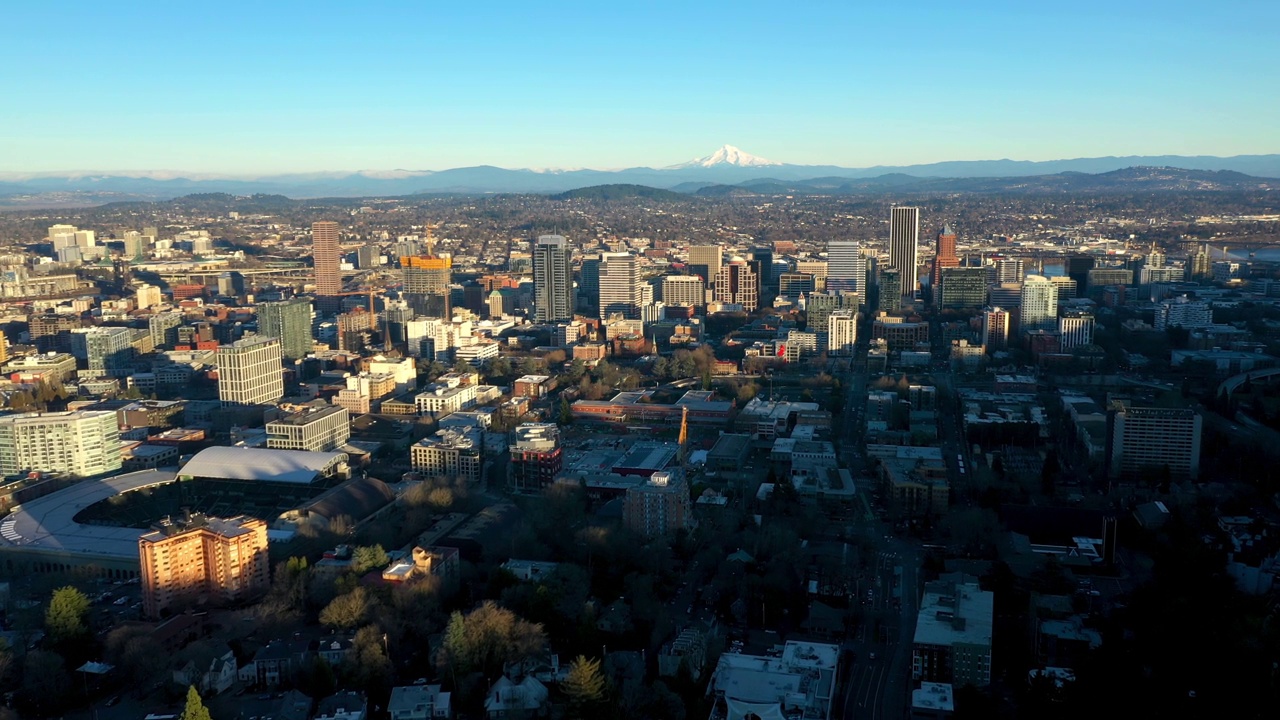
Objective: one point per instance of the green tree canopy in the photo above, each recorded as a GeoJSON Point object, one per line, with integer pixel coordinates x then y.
{"type": "Point", "coordinates": [67, 615]}
{"type": "Point", "coordinates": [368, 557]}
{"type": "Point", "coordinates": [489, 637]}
{"type": "Point", "coordinates": [194, 709]}
{"type": "Point", "coordinates": [583, 686]}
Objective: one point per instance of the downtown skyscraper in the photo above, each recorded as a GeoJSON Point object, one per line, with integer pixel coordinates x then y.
{"type": "Point", "coordinates": [944, 255]}
{"type": "Point", "coordinates": [1039, 307]}
{"type": "Point", "coordinates": [290, 323]}
{"type": "Point", "coordinates": [619, 285]}
{"type": "Point", "coordinates": [846, 268]}
{"type": "Point", "coordinates": [552, 279]}
{"type": "Point", "coordinates": [327, 256]}
{"type": "Point", "coordinates": [904, 240]}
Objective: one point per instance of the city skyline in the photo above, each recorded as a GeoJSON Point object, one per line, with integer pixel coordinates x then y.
{"type": "Point", "coordinates": [565, 88]}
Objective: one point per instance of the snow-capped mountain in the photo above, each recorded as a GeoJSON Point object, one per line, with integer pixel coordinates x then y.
{"type": "Point", "coordinates": [726, 155]}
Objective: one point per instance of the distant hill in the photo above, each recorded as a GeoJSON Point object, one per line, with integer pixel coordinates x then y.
{"type": "Point", "coordinates": [621, 192]}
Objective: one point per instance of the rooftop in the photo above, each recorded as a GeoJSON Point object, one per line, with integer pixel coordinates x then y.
{"type": "Point", "coordinates": [953, 613]}
{"type": "Point", "coordinates": [283, 466]}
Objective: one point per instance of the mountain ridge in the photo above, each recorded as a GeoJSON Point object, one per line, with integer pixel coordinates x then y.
{"type": "Point", "coordinates": [47, 190]}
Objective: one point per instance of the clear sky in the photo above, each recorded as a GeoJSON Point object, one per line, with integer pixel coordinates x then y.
{"type": "Point", "coordinates": [269, 86]}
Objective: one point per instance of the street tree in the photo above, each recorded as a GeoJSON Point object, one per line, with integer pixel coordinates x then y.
{"type": "Point", "coordinates": [66, 618]}
{"type": "Point", "coordinates": [194, 709]}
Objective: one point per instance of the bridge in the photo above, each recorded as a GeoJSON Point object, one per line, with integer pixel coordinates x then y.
{"type": "Point", "coordinates": [1233, 383]}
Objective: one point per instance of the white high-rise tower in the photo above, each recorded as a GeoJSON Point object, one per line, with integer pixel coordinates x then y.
{"type": "Point", "coordinates": [552, 279]}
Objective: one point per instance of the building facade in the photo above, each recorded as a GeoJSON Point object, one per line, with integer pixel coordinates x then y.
{"type": "Point", "coordinates": [846, 267]}
{"type": "Point", "coordinates": [326, 255]}
{"type": "Point", "coordinates": [289, 322]}
{"type": "Point", "coordinates": [961, 287]}
{"type": "Point", "coordinates": [454, 452]}
{"type": "Point", "coordinates": [737, 284]}
{"type": "Point", "coordinates": [81, 443]}
{"type": "Point", "coordinates": [199, 560]}
{"type": "Point", "coordinates": [426, 285]}
{"type": "Point", "coordinates": [536, 456]}
{"type": "Point", "coordinates": [1153, 441]}
{"type": "Point", "coordinates": [314, 429]}
{"type": "Point", "coordinates": [250, 372]}
{"type": "Point", "coordinates": [619, 285]}
{"type": "Point", "coordinates": [904, 240]}
{"type": "Point", "coordinates": [552, 279]}
{"type": "Point", "coordinates": [705, 261]}
{"type": "Point", "coordinates": [684, 291]}
{"type": "Point", "coordinates": [842, 332]}
{"type": "Point", "coordinates": [659, 506]}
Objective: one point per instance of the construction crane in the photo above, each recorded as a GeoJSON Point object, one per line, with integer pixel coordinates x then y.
{"type": "Point", "coordinates": [371, 292]}
{"type": "Point", "coordinates": [431, 241]}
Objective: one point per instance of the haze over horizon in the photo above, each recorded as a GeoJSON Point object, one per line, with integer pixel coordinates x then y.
{"type": "Point", "coordinates": [247, 90]}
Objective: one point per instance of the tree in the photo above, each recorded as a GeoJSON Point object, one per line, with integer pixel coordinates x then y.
{"type": "Point", "coordinates": [583, 686]}
{"type": "Point", "coordinates": [347, 610]}
{"type": "Point", "coordinates": [194, 709]}
{"type": "Point", "coordinates": [566, 412]}
{"type": "Point", "coordinates": [368, 557]}
{"type": "Point", "coordinates": [488, 638]}
{"type": "Point", "coordinates": [44, 679]}
{"type": "Point", "coordinates": [368, 665]}
{"type": "Point", "coordinates": [66, 616]}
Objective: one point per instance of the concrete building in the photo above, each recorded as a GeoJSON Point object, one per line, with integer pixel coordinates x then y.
{"type": "Point", "coordinates": [684, 291]}
{"type": "Point", "coordinates": [1104, 277]}
{"type": "Point", "coordinates": [250, 372]}
{"type": "Point", "coordinates": [793, 285]}
{"type": "Point", "coordinates": [1008, 271]}
{"type": "Point", "coordinates": [904, 240]}
{"type": "Point", "coordinates": [441, 399]}
{"type": "Point", "coordinates": [800, 682]}
{"type": "Point", "coordinates": [619, 285]}
{"type": "Point", "coordinates": [1182, 312]}
{"type": "Point", "coordinates": [889, 289]}
{"type": "Point", "coordinates": [164, 329]}
{"type": "Point", "coordinates": [290, 323]}
{"type": "Point", "coordinates": [81, 443]}
{"type": "Point", "coordinates": [659, 506]}
{"type": "Point", "coordinates": [705, 261]}
{"type": "Point", "coordinates": [198, 560]}
{"type": "Point", "coordinates": [953, 634]}
{"type": "Point", "coordinates": [104, 350]}
{"type": "Point", "coordinates": [995, 329]}
{"type": "Point", "coordinates": [455, 452]}
{"type": "Point", "coordinates": [426, 285]}
{"type": "Point", "coordinates": [49, 367]}
{"type": "Point", "coordinates": [1039, 307]}
{"type": "Point", "coordinates": [533, 386]}
{"type": "Point", "coordinates": [314, 429]}
{"type": "Point", "coordinates": [846, 267]}
{"type": "Point", "coordinates": [1148, 440]}
{"type": "Point", "coordinates": [899, 333]}
{"type": "Point", "coordinates": [1075, 328]}
{"type": "Point", "coordinates": [552, 279]}
{"type": "Point", "coordinates": [737, 284]}
{"type": "Point", "coordinates": [962, 287]}
{"type": "Point", "coordinates": [326, 256]}
{"type": "Point", "coordinates": [536, 456]}
{"type": "Point", "coordinates": [842, 332]}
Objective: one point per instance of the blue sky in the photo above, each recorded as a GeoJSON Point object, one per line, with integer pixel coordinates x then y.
{"type": "Point", "coordinates": [270, 87]}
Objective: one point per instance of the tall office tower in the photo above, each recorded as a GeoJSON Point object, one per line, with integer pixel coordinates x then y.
{"type": "Point", "coordinates": [290, 323]}
{"type": "Point", "coordinates": [842, 332]}
{"type": "Point", "coordinates": [197, 560]}
{"type": "Point", "coordinates": [846, 268]}
{"type": "Point", "coordinates": [250, 372]}
{"type": "Point", "coordinates": [1008, 270]}
{"type": "Point", "coordinates": [1039, 307]}
{"type": "Point", "coordinates": [552, 279]}
{"type": "Point", "coordinates": [890, 290]}
{"type": "Point", "coordinates": [820, 307]}
{"type": "Point", "coordinates": [904, 239]}
{"type": "Point", "coordinates": [816, 268]}
{"type": "Point", "coordinates": [82, 443]}
{"type": "Point", "coordinates": [326, 256]}
{"type": "Point", "coordinates": [164, 329]}
{"type": "Point", "coordinates": [1078, 267]}
{"type": "Point", "coordinates": [764, 256]}
{"type": "Point", "coordinates": [105, 350]}
{"type": "Point", "coordinates": [791, 285]}
{"type": "Point", "coordinates": [706, 261]}
{"type": "Point", "coordinates": [995, 329]}
{"type": "Point", "coordinates": [1075, 329]}
{"type": "Point", "coordinates": [737, 283]}
{"type": "Point", "coordinates": [1005, 295]}
{"type": "Point", "coordinates": [944, 255]}
{"type": "Point", "coordinates": [961, 287]}
{"type": "Point", "coordinates": [426, 285]}
{"type": "Point", "coordinates": [536, 456]}
{"type": "Point", "coordinates": [61, 236]}
{"type": "Point", "coordinates": [1066, 289]}
{"type": "Point", "coordinates": [589, 282]}
{"type": "Point", "coordinates": [1146, 440]}
{"type": "Point", "coordinates": [659, 506]}
{"type": "Point", "coordinates": [619, 285]}
{"type": "Point", "coordinates": [1201, 265]}
{"type": "Point", "coordinates": [684, 291]}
